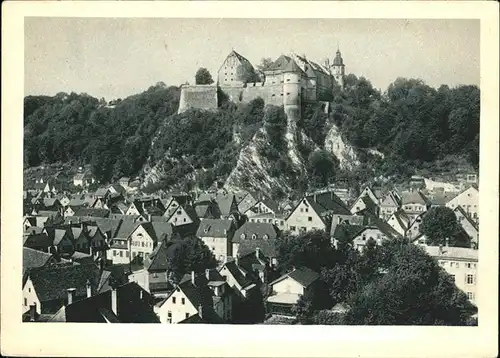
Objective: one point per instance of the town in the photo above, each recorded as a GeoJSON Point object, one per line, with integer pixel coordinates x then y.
{"type": "Point", "coordinates": [110, 253]}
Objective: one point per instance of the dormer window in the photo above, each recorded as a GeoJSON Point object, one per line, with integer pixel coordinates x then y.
{"type": "Point", "coordinates": [242, 236]}
{"type": "Point", "coordinates": [265, 237]}
{"type": "Point", "coordinates": [254, 236]}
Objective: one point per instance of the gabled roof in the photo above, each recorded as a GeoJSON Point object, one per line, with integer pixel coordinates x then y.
{"type": "Point", "coordinates": [414, 197]}
{"type": "Point", "coordinates": [101, 192]}
{"type": "Point", "coordinates": [279, 64]}
{"type": "Point", "coordinates": [48, 202]}
{"type": "Point", "coordinates": [303, 275]}
{"type": "Point", "coordinates": [158, 259]}
{"type": "Point", "coordinates": [346, 232]}
{"type": "Point", "coordinates": [225, 202]}
{"type": "Point", "coordinates": [260, 230]}
{"type": "Point", "coordinates": [52, 283]}
{"type": "Point", "coordinates": [267, 247]}
{"type": "Point", "coordinates": [214, 228]}
{"type": "Point", "coordinates": [293, 67]}
{"type": "Point", "coordinates": [389, 200]}
{"type": "Point", "coordinates": [125, 229]}
{"type": "Point", "coordinates": [235, 271]}
{"type": "Point", "coordinates": [452, 252]}
{"type": "Point", "coordinates": [466, 216]}
{"type": "Point", "coordinates": [34, 258]}
{"type": "Point", "coordinates": [133, 306]}
{"type": "Point", "coordinates": [37, 240]}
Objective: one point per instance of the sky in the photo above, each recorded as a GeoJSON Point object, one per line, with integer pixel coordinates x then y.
{"type": "Point", "coordinates": [117, 57]}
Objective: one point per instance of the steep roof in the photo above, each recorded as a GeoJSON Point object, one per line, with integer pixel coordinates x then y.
{"type": "Point", "coordinates": [235, 271]}
{"type": "Point", "coordinates": [34, 258]}
{"type": "Point", "coordinates": [280, 63]}
{"type": "Point", "coordinates": [346, 232]}
{"type": "Point", "coordinates": [52, 283]}
{"type": "Point", "coordinates": [248, 229]}
{"type": "Point", "coordinates": [327, 203]}
{"type": "Point", "coordinates": [268, 247]}
{"type": "Point", "coordinates": [466, 216]}
{"type": "Point", "coordinates": [225, 201]}
{"type": "Point", "coordinates": [125, 229]}
{"type": "Point", "coordinates": [214, 228]}
{"type": "Point", "coordinates": [414, 197]}
{"type": "Point", "coordinates": [293, 67]}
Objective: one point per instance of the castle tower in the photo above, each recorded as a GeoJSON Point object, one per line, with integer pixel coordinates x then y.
{"type": "Point", "coordinates": [292, 77]}
{"type": "Point", "coordinates": [338, 68]}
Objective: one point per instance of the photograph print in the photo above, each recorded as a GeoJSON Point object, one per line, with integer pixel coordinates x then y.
{"type": "Point", "coordinates": [251, 171]}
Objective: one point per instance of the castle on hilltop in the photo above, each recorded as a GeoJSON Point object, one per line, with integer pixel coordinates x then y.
{"type": "Point", "coordinates": [288, 81]}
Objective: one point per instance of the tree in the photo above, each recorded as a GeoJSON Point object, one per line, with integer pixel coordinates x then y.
{"type": "Point", "coordinates": [265, 64]}
{"type": "Point", "coordinates": [414, 290]}
{"type": "Point", "coordinates": [322, 166]}
{"type": "Point", "coordinates": [188, 254]}
{"type": "Point", "coordinates": [203, 77]}
{"type": "Point", "coordinates": [316, 298]}
{"type": "Point", "coordinates": [311, 249]}
{"type": "Point", "coordinates": [439, 225]}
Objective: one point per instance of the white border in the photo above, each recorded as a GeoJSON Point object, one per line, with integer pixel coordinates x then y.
{"type": "Point", "coordinates": [225, 341]}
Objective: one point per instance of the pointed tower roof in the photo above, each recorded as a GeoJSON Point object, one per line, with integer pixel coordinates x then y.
{"type": "Point", "coordinates": [338, 61]}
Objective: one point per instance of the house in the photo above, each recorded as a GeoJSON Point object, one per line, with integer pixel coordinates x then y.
{"type": "Point", "coordinates": [47, 217]}
{"type": "Point", "coordinates": [373, 194]}
{"type": "Point", "coordinates": [156, 268]}
{"type": "Point", "coordinates": [83, 179]}
{"type": "Point", "coordinates": [207, 209]}
{"type": "Point", "coordinates": [101, 193]}
{"type": "Point", "coordinates": [217, 234]}
{"type": "Point", "coordinates": [38, 241]}
{"type": "Point", "coordinates": [92, 212]}
{"type": "Point", "coordinates": [120, 245]}
{"type": "Point", "coordinates": [440, 199]}
{"type": "Point", "coordinates": [51, 204]}
{"type": "Point", "coordinates": [238, 279]}
{"type": "Point", "coordinates": [245, 200]}
{"type": "Point", "coordinates": [263, 206]}
{"type": "Point", "coordinates": [415, 203]}
{"type": "Point", "coordinates": [256, 264]}
{"type": "Point", "coordinates": [399, 221]}
{"type": "Point", "coordinates": [389, 204]}
{"type": "Point", "coordinates": [468, 199]}
{"type": "Point", "coordinates": [47, 287]}
{"type": "Point", "coordinates": [253, 232]}
{"type": "Point", "coordinates": [317, 212]}
{"type": "Point", "coordinates": [62, 241]}
{"type": "Point", "coordinates": [228, 206]}
{"type": "Point", "coordinates": [127, 303]}
{"type": "Point", "coordinates": [461, 263]}
{"type": "Point", "coordinates": [146, 205]}
{"type": "Point", "coordinates": [124, 181]}
{"type": "Point", "coordinates": [468, 224]}
{"type": "Point", "coordinates": [414, 227]}
{"type": "Point", "coordinates": [208, 296]}
{"type": "Point", "coordinates": [34, 259]}
{"type": "Point", "coordinates": [142, 240]}
{"type": "Point", "coordinates": [365, 203]}
{"type": "Point", "coordinates": [276, 219]}
{"type": "Point", "coordinates": [287, 289]}
{"type": "Point", "coordinates": [181, 215]}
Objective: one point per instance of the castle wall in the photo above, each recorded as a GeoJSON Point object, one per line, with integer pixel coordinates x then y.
{"type": "Point", "coordinates": [271, 94]}
{"type": "Point", "coordinates": [198, 96]}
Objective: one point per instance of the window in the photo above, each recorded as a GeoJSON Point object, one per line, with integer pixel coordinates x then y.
{"type": "Point", "coordinates": [303, 228]}
{"type": "Point", "coordinates": [187, 315]}
{"type": "Point", "coordinates": [126, 253]}
{"type": "Point", "coordinates": [25, 301]}
{"type": "Point", "coordinates": [178, 212]}
{"type": "Point", "coordinates": [469, 279]}
{"type": "Point", "coordinates": [307, 210]}
{"type": "Point", "coordinates": [114, 252]}
{"type": "Point", "coordinates": [183, 301]}
{"type": "Point", "coordinates": [468, 265]}
{"type": "Point", "coordinates": [121, 253]}
{"type": "Point", "coordinates": [364, 237]}
{"type": "Point", "coordinates": [310, 218]}
{"type": "Point", "coordinates": [470, 295]}
{"type": "Point", "coordinates": [288, 93]}
{"type": "Point", "coordinates": [142, 244]}
{"type": "Point", "coordinates": [173, 300]}
{"type": "Point", "coordinates": [453, 277]}
{"type": "Point", "coordinates": [288, 80]}
{"type": "Point", "coordinates": [155, 275]}
{"type": "Point", "coordinates": [457, 265]}
{"type": "Point", "coordinates": [292, 228]}
{"type": "Point", "coordinates": [301, 210]}
{"type": "Point", "coordinates": [184, 219]}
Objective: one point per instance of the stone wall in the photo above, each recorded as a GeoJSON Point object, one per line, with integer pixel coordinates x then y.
{"type": "Point", "coordinates": [271, 94]}
{"type": "Point", "coordinates": [198, 96]}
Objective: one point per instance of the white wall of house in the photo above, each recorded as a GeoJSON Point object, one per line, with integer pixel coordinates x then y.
{"type": "Point", "coordinates": [132, 210]}
{"type": "Point", "coordinates": [220, 247]}
{"type": "Point", "coordinates": [358, 206]}
{"type": "Point", "coordinates": [288, 285]}
{"type": "Point", "coordinates": [468, 227]}
{"type": "Point", "coordinates": [141, 244]}
{"type": "Point", "coordinates": [395, 224]}
{"type": "Point", "coordinates": [258, 209]}
{"type": "Point", "coordinates": [118, 256]}
{"type": "Point", "coordinates": [176, 308]}
{"type": "Point", "coordinates": [30, 297]}
{"type": "Point", "coordinates": [231, 281]}
{"type": "Point", "coordinates": [180, 217]}
{"type": "Point", "coordinates": [464, 273]}
{"type": "Point", "coordinates": [468, 200]}
{"type": "Point", "coordinates": [304, 218]}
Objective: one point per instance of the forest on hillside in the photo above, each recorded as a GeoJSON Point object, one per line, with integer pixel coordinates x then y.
{"type": "Point", "coordinates": [413, 124]}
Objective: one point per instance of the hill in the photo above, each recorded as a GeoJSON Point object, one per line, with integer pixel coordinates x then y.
{"type": "Point", "coordinates": [361, 135]}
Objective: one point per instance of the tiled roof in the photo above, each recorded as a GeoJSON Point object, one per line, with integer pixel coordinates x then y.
{"type": "Point", "coordinates": [452, 252]}
{"type": "Point", "coordinates": [293, 67]}
{"type": "Point", "coordinates": [346, 232]}
{"type": "Point", "coordinates": [280, 63]}
{"type": "Point", "coordinates": [466, 216]}
{"type": "Point", "coordinates": [34, 258]}
{"type": "Point", "coordinates": [237, 274]}
{"type": "Point", "coordinates": [248, 229]}
{"type": "Point", "coordinates": [125, 229]}
{"type": "Point", "coordinates": [52, 283]}
{"type": "Point", "coordinates": [158, 259]}
{"type": "Point", "coordinates": [101, 192]}
{"type": "Point", "coordinates": [214, 228]}
{"type": "Point", "coordinates": [328, 203]}
{"type": "Point", "coordinates": [268, 247]}
{"type": "Point", "coordinates": [302, 275]}
{"type": "Point", "coordinates": [414, 197]}
{"type": "Point", "coordinates": [101, 213]}
{"type": "Point", "coordinates": [133, 305]}
{"type": "Point", "coordinates": [37, 240]}
{"type": "Point", "coordinates": [225, 201]}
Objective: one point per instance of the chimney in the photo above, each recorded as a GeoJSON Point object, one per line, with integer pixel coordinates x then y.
{"type": "Point", "coordinates": [314, 197]}
{"type": "Point", "coordinates": [237, 259]}
{"type": "Point", "coordinates": [193, 277]}
{"type": "Point", "coordinates": [257, 252]}
{"type": "Point", "coordinates": [32, 312]}
{"type": "Point", "coordinates": [71, 293]}
{"type": "Point", "coordinates": [89, 289]}
{"type": "Point", "coordinates": [447, 242]}
{"type": "Point", "coordinates": [140, 294]}
{"type": "Point", "coordinates": [149, 217]}
{"type": "Point", "coordinates": [114, 301]}
{"type": "Point", "coordinates": [207, 274]}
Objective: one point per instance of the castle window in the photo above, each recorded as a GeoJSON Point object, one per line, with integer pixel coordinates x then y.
{"type": "Point", "coordinates": [273, 95]}
{"type": "Point", "coordinates": [288, 80]}
{"type": "Point", "coordinates": [288, 93]}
